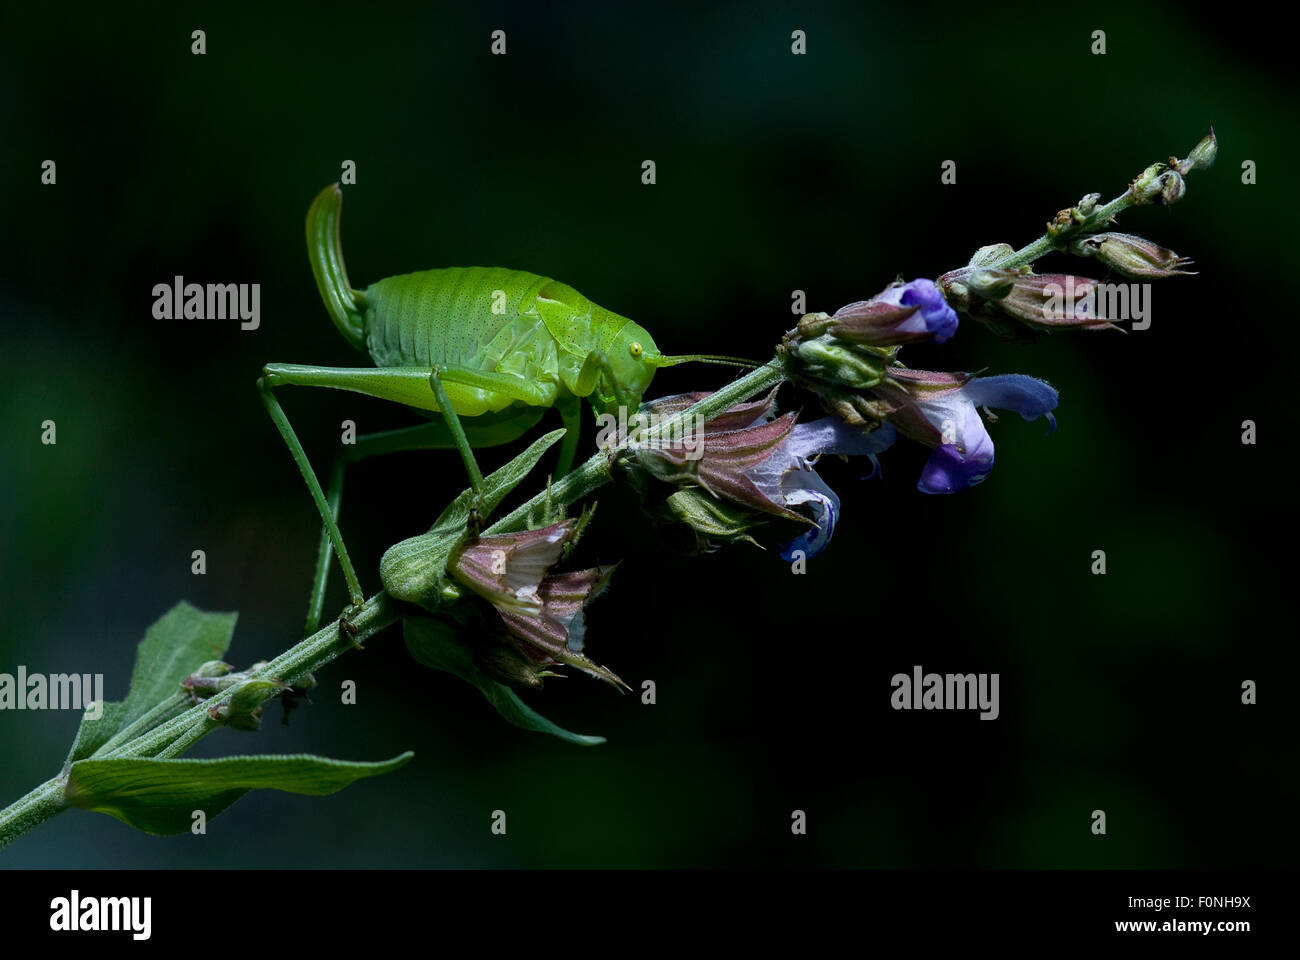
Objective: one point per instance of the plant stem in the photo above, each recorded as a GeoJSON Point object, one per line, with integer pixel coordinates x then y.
{"type": "Point", "coordinates": [595, 472]}
{"type": "Point", "coordinates": [302, 658]}
{"type": "Point", "coordinates": [164, 710]}
{"type": "Point", "coordinates": [31, 811]}
{"type": "Point", "coordinates": [1045, 244]}
{"type": "Point", "coordinates": [179, 733]}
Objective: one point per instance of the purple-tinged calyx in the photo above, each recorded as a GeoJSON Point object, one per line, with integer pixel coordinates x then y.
{"type": "Point", "coordinates": [1053, 301]}
{"type": "Point", "coordinates": [558, 632]}
{"type": "Point", "coordinates": [1132, 255]}
{"type": "Point", "coordinates": [901, 313]}
{"type": "Point", "coordinates": [543, 612]}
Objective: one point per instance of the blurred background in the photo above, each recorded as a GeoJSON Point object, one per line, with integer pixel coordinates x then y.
{"type": "Point", "coordinates": [775, 173]}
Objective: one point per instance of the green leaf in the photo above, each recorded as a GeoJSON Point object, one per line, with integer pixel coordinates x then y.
{"type": "Point", "coordinates": [160, 796]}
{"type": "Point", "coordinates": [436, 644]}
{"type": "Point", "coordinates": [174, 647]}
{"type": "Point", "coordinates": [93, 734]}
{"type": "Point", "coordinates": [413, 569]}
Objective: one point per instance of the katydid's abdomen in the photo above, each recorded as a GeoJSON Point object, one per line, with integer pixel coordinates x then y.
{"type": "Point", "coordinates": [464, 318]}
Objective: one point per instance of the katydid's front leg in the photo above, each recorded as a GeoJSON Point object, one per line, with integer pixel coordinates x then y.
{"type": "Point", "coordinates": [498, 386]}
{"type": "Point", "coordinates": [462, 444]}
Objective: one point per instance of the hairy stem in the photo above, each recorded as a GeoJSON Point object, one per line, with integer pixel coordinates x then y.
{"type": "Point", "coordinates": [177, 734]}
{"type": "Point", "coordinates": [595, 473]}
{"type": "Point", "coordinates": [31, 811]}
{"type": "Point", "coordinates": [1045, 244]}
{"type": "Point", "coordinates": [302, 658]}
{"type": "Point", "coordinates": [161, 712]}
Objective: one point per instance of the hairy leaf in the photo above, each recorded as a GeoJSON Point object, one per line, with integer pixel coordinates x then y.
{"type": "Point", "coordinates": [174, 647]}
{"type": "Point", "coordinates": [171, 650]}
{"type": "Point", "coordinates": [160, 796]}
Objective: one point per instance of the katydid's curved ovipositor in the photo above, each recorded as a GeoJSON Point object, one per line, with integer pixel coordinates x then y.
{"type": "Point", "coordinates": [493, 345]}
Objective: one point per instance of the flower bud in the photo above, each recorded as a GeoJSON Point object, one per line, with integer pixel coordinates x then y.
{"type": "Point", "coordinates": [1131, 255]}
{"type": "Point", "coordinates": [813, 325]}
{"type": "Point", "coordinates": [243, 710]}
{"type": "Point", "coordinates": [208, 679]}
{"type": "Point", "coordinates": [1201, 157]}
{"type": "Point", "coordinates": [837, 364]}
{"type": "Point", "coordinates": [213, 668]}
{"type": "Point", "coordinates": [1146, 185]}
{"type": "Point", "coordinates": [965, 287]}
{"type": "Point", "coordinates": [1070, 219]}
{"type": "Point", "coordinates": [1085, 206]}
{"type": "Point", "coordinates": [702, 522]}
{"type": "Point", "coordinates": [991, 253]}
{"type": "Point", "coordinates": [993, 284]}
{"type": "Point", "coordinates": [1158, 182]}
{"type": "Point", "coordinates": [1172, 187]}
{"type": "Point", "coordinates": [509, 666]}
{"type": "Point", "coordinates": [902, 313]}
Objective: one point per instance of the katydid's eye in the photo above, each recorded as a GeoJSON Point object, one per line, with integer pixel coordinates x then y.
{"type": "Point", "coordinates": [635, 350]}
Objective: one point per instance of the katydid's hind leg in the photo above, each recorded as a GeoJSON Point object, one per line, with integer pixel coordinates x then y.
{"type": "Point", "coordinates": [355, 595]}
{"type": "Point", "coordinates": [570, 408]}
{"type": "Point", "coordinates": [325, 551]}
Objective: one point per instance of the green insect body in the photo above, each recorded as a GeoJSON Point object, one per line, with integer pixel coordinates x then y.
{"type": "Point", "coordinates": [503, 338]}
{"type": "Point", "coordinates": [542, 332]}
{"type": "Point", "coordinates": [497, 347]}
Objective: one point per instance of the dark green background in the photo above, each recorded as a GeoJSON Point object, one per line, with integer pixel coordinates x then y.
{"type": "Point", "coordinates": [775, 173]}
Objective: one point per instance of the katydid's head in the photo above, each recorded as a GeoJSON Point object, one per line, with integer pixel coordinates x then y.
{"type": "Point", "coordinates": [631, 368]}
{"type": "Point", "coordinates": [633, 360]}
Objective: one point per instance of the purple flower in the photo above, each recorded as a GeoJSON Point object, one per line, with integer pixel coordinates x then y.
{"type": "Point", "coordinates": [788, 476]}
{"type": "Point", "coordinates": [941, 410]}
{"type": "Point", "coordinates": [767, 465]}
{"type": "Point", "coordinates": [902, 312]}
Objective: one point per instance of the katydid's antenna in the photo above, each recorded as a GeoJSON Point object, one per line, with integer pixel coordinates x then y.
{"type": "Point", "coordinates": [662, 361]}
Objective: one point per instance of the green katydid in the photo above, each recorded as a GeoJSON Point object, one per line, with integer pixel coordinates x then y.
{"type": "Point", "coordinates": [493, 345]}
